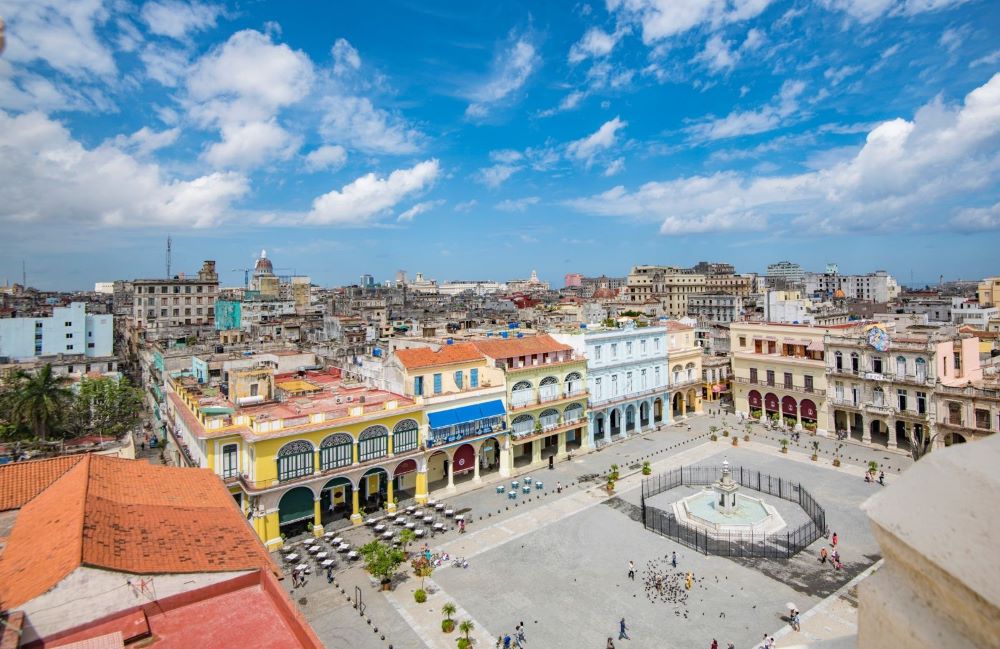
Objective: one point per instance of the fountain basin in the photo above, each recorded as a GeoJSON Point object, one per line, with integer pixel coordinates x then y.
{"type": "Point", "coordinates": [752, 516]}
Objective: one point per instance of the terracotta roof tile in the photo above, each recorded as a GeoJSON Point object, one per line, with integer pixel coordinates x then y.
{"type": "Point", "coordinates": [673, 325]}
{"type": "Point", "coordinates": [511, 347]}
{"type": "Point", "coordinates": [426, 357]}
{"type": "Point", "coordinates": [128, 516]}
{"type": "Point", "coordinates": [22, 481]}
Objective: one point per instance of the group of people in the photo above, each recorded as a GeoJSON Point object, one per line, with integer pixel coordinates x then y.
{"type": "Point", "coordinates": [506, 641]}
{"type": "Point", "coordinates": [715, 644]}
{"type": "Point", "coordinates": [870, 477]}
{"type": "Point", "coordinates": [622, 634]}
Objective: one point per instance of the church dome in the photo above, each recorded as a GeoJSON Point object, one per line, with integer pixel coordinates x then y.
{"type": "Point", "coordinates": [263, 265]}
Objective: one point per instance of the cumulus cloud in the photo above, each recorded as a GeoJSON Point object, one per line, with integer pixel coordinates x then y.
{"type": "Point", "coordinates": [517, 204]}
{"type": "Point", "coordinates": [465, 206]}
{"type": "Point", "coordinates": [164, 64]}
{"type": "Point", "coordinates": [146, 140]}
{"type": "Point", "coordinates": [239, 88]}
{"type": "Point", "coordinates": [660, 19]}
{"type": "Point", "coordinates": [178, 19]}
{"type": "Point", "coordinates": [907, 174]}
{"type": "Point", "coordinates": [718, 54]}
{"type": "Point", "coordinates": [356, 122]}
{"type": "Point", "coordinates": [973, 219]}
{"type": "Point", "coordinates": [345, 57]}
{"type": "Point", "coordinates": [512, 67]}
{"type": "Point", "coordinates": [866, 11]}
{"type": "Point", "coordinates": [103, 186]}
{"type": "Point", "coordinates": [364, 199]}
{"type": "Point", "coordinates": [603, 139]}
{"type": "Point", "coordinates": [419, 208]}
{"type": "Point", "coordinates": [328, 156]}
{"type": "Point", "coordinates": [615, 167]}
{"type": "Point", "coordinates": [777, 112]}
{"type": "Point", "coordinates": [62, 34]}
{"type": "Point", "coordinates": [595, 43]}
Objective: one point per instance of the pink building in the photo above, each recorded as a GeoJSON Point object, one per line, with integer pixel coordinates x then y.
{"type": "Point", "coordinates": [573, 279]}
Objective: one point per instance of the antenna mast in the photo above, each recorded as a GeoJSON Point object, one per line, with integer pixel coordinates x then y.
{"type": "Point", "coordinates": [169, 242]}
{"type": "Point", "coordinates": [24, 275]}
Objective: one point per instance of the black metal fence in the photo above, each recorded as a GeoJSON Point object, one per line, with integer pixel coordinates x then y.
{"type": "Point", "coordinates": [777, 545]}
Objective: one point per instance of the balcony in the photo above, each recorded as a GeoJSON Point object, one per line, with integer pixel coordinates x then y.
{"type": "Point", "coordinates": [538, 366]}
{"type": "Point", "coordinates": [535, 402]}
{"type": "Point", "coordinates": [610, 401]}
{"type": "Point", "coordinates": [684, 382]}
{"type": "Point", "coordinates": [879, 408]}
{"type": "Point", "coordinates": [452, 434]}
{"type": "Point", "coordinates": [257, 486]}
{"type": "Point", "coordinates": [846, 403]}
{"type": "Point", "coordinates": [526, 433]}
{"type": "Point", "coordinates": [802, 389]}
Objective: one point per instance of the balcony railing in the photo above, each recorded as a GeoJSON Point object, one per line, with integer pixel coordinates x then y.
{"type": "Point", "coordinates": [805, 389]}
{"type": "Point", "coordinates": [607, 401]}
{"type": "Point", "coordinates": [451, 434]}
{"type": "Point", "coordinates": [522, 403]}
{"type": "Point", "coordinates": [847, 403]}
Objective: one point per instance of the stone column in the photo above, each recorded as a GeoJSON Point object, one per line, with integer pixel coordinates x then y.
{"type": "Point", "coordinates": [317, 517]}
{"type": "Point", "coordinates": [315, 461]}
{"type": "Point", "coordinates": [451, 472]}
{"type": "Point", "coordinates": [475, 464]}
{"type": "Point", "coordinates": [390, 505]}
{"type": "Point", "coordinates": [506, 457]}
{"type": "Point", "coordinates": [561, 450]}
{"type": "Point", "coordinates": [389, 444]}
{"type": "Point", "coordinates": [866, 431]}
{"type": "Point", "coordinates": [354, 453]}
{"type": "Point", "coordinates": [893, 442]}
{"type": "Point", "coordinates": [420, 492]}
{"type": "Point", "coordinates": [536, 450]}
{"type": "Point", "coordinates": [355, 506]}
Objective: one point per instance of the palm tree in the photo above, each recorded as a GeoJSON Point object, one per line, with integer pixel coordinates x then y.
{"type": "Point", "coordinates": [448, 610]}
{"type": "Point", "coordinates": [40, 401]}
{"type": "Point", "coordinates": [466, 627]}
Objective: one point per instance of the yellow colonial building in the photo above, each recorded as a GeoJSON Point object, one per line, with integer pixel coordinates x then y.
{"type": "Point", "coordinates": [685, 358]}
{"type": "Point", "coordinates": [301, 448]}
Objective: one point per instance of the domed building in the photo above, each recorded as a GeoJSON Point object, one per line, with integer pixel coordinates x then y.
{"type": "Point", "coordinates": [264, 279]}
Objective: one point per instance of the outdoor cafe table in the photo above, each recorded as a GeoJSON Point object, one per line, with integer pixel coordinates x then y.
{"type": "Point", "coordinates": [538, 485]}
{"type": "Point", "coordinates": [371, 521]}
{"type": "Point", "coordinates": [419, 513]}
{"type": "Point", "coordinates": [460, 517]}
{"type": "Point", "coordinates": [410, 526]}
{"type": "Point", "coordinates": [321, 555]}
{"type": "Point", "coordinates": [400, 520]}
{"type": "Point", "coordinates": [439, 506]}
{"type": "Point", "coordinates": [526, 488]}
{"type": "Point", "coordinates": [343, 547]}
{"type": "Point", "coordinates": [336, 540]}
{"type": "Point", "coordinates": [419, 533]}
{"type": "Point", "coordinates": [514, 484]}
{"type": "Point", "coordinates": [328, 535]}
{"type": "Point", "coordinates": [302, 566]}
{"type": "Point", "coordinates": [449, 512]}
{"type": "Point", "coordinates": [313, 549]}
{"type": "Point", "coordinates": [499, 488]}
{"type": "Point", "coordinates": [431, 503]}
{"type": "Point", "coordinates": [380, 528]}
{"type": "Point", "coordinates": [352, 555]}
{"type": "Point", "coordinates": [409, 510]}
{"type": "Point", "coordinates": [387, 535]}
{"type": "Point", "coordinates": [309, 541]}
{"type": "Point", "coordinates": [327, 563]}
{"type": "Point", "coordinates": [512, 495]}
{"type": "Point", "coordinates": [292, 558]}
{"type": "Point", "coordinates": [428, 519]}
{"type": "Point", "coordinates": [439, 526]}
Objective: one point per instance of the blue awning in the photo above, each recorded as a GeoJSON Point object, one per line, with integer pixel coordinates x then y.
{"type": "Point", "coordinates": [465, 414]}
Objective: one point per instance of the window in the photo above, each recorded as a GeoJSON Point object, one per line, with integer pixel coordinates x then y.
{"type": "Point", "coordinates": [788, 380]}
{"type": "Point", "coordinates": [628, 381]}
{"type": "Point", "coordinates": [404, 436]}
{"type": "Point", "coordinates": [69, 324]}
{"type": "Point", "coordinates": [69, 335]}
{"type": "Point", "coordinates": [839, 391]}
{"type": "Point", "coordinates": [38, 336]}
{"type": "Point", "coordinates": [878, 397]}
{"type": "Point", "coordinates": [597, 352]}
{"type": "Point", "coordinates": [982, 419]}
{"type": "Point", "coordinates": [373, 443]}
{"type": "Point", "coordinates": [958, 361]}
{"type": "Point", "coordinates": [187, 289]}
{"type": "Point", "coordinates": [838, 358]}
{"type": "Point", "coordinates": [877, 364]}
{"type": "Point", "coordinates": [642, 384]}
{"type": "Point", "coordinates": [335, 451]}
{"type": "Point", "coordinates": [614, 385]}
{"type": "Point", "coordinates": [38, 324]}
{"type": "Point", "coordinates": [770, 377]}
{"type": "Point", "coordinates": [642, 347]}
{"type": "Point", "coordinates": [69, 347]}
{"type": "Point", "coordinates": [295, 460]}
{"type": "Point", "coordinates": [458, 379]}
{"type": "Point", "coordinates": [921, 367]}
{"type": "Point", "coordinates": [474, 378]}
{"type": "Point", "coordinates": [743, 341]}
{"type": "Point", "coordinates": [628, 349]}
{"type": "Point", "coordinates": [922, 403]}
{"type": "Point", "coordinates": [656, 375]}
{"type": "Point", "coordinates": [599, 389]}
{"type": "Point", "coordinates": [900, 366]}
{"type": "Point", "coordinates": [901, 399]}
{"type": "Point", "coordinates": [230, 461]}
{"type": "Point", "coordinates": [418, 386]}
{"type": "Point", "coordinates": [753, 374]}
{"type": "Point", "coordinates": [90, 345]}
{"type": "Point", "coordinates": [437, 384]}
{"type": "Point", "coordinates": [855, 362]}
{"type": "Point", "coordinates": [614, 350]}
{"type": "Point", "coordinates": [808, 382]}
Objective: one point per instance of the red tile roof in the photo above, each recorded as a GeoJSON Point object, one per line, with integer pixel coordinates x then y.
{"type": "Point", "coordinates": [129, 516]}
{"type": "Point", "coordinates": [511, 347]}
{"type": "Point", "coordinates": [673, 325]}
{"type": "Point", "coordinates": [22, 481]}
{"type": "Point", "coordinates": [417, 357]}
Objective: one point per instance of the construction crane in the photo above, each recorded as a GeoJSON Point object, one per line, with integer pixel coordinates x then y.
{"type": "Point", "coordinates": [246, 275]}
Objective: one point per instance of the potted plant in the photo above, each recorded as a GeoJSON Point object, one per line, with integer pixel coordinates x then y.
{"type": "Point", "coordinates": [784, 445]}
{"type": "Point", "coordinates": [610, 485]}
{"type": "Point", "coordinates": [422, 568]}
{"type": "Point", "coordinates": [381, 561]}
{"type": "Point", "coordinates": [309, 526]}
{"type": "Point", "coordinates": [836, 455]}
{"type": "Point", "coordinates": [756, 413]}
{"type": "Point", "coordinates": [614, 472]}
{"type": "Point", "coordinates": [465, 627]}
{"type": "Point", "coordinates": [646, 468]}
{"type": "Point", "coordinates": [736, 441]}
{"type": "Point", "coordinates": [810, 426]}
{"type": "Point", "coordinates": [725, 432]}
{"type": "Point", "coordinates": [448, 624]}
{"type": "Point", "coordinates": [420, 596]}
{"type": "Point", "coordinates": [815, 455]}
{"type": "Point", "coordinates": [713, 429]}
{"type": "Point", "coordinates": [873, 467]}
{"type": "Point", "coordinates": [713, 437]}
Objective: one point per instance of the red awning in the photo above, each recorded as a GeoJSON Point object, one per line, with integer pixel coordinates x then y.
{"type": "Point", "coordinates": [409, 466]}
{"type": "Point", "coordinates": [754, 398]}
{"type": "Point", "coordinates": [465, 459]}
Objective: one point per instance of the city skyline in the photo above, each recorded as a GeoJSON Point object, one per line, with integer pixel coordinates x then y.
{"type": "Point", "coordinates": [487, 142]}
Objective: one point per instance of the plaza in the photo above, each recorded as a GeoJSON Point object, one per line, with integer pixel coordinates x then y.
{"type": "Point", "coordinates": [558, 562]}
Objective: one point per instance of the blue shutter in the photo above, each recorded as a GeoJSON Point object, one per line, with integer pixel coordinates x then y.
{"type": "Point", "coordinates": [458, 379]}
{"type": "Point", "coordinates": [418, 386]}
{"type": "Point", "coordinates": [474, 378]}
{"type": "Point", "coordinates": [437, 384]}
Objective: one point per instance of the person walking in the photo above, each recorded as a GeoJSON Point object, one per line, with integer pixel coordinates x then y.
{"type": "Point", "coordinates": [622, 635]}
{"type": "Point", "coordinates": [689, 581]}
{"type": "Point", "coordinates": [631, 570]}
{"type": "Point", "coordinates": [833, 540]}
{"type": "Point", "coordinates": [822, 555]}
{"type": "Point", "coordinates": [520, 634]}
{"type": "Point", "coordinates": [673, 559]}
{"type": "Point", "coordinates": [499, 642]}
{"type": "Point", "coordinates": [796, 622]}
{"type": "Point", "coordinates": [610, 645]}
{"type": "Point", "coordinates": [715, 644]}
{"type": "Point", "coordinates": [329, 574]}
{"type": "Point", "coordinates": [558, 487]}
{"type": "Point", "coordinates": [881, 478]}
{"type": "Point", "coordinates": [506, 641]}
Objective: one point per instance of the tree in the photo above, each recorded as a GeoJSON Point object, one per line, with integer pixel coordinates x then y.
{"type": "Point", "coordinates": [422, 568]}
{"type": "Point", "coordinates": [381, 560]}
{"type": "Point", "coordinates": [39, 401]}
{"type": "Point", "coordinates": [921, 447]}
{"type": "Point", "coordinates": [448, 610]}
{"type": "Point", "coordinates": [105, 406]}
{"type": "Point", "coordinates": [466, 627]}
{"type": "Point", "coordinates": [406, 537]}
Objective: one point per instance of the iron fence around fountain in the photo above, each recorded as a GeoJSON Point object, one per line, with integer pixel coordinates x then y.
{"type": "Point", "coordinates": [776, 545]}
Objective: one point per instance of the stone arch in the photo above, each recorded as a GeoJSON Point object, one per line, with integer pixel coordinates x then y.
{"type": "Point", "coordinates": [521, 385]}
{"type": "Point", "coordinates": [573, 411]}
{"type": "Point", "coordinates": [630, 422]}
{"type": "Point", "coordinates": [574, 383]}
{"type": "Point", "coordinates": [522, 425]}
{"type": "Point", "coordinates": [954, 438]}
{"type": "Point", "coordinates": [643, 414]}
{"type": "Point", "coordinates": [691, 402]}
{"type": "Point", "coordinates": [615, 421]}
{"type": "Point", "coordinates": [549, 380]}
{"type": "Point", "coordinates": [296, 505]}
{"type": "Point", "coordinates": [548, 388]}
{"type": "Point", "coordinates": [405, 436]}
{"type": "Point", "coordinates": [295, 447]}
{"type": "Point", "coordinates": [405, 425]}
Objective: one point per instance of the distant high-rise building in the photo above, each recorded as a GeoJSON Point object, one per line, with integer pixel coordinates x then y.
{"type": "Point", "coordinates": [784, 272]}
{"type": "Point", "coordinates": [367, 281]}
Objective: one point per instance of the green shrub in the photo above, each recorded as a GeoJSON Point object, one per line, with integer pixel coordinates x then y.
{"type": "Point", "coordinates": [420, 596]}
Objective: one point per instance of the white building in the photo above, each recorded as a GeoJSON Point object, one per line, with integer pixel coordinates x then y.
{"type": "Point", "coordinates": [784, 272]}
{"type": "Point", "coordinates": [479, 287]}
{"type": "Point", "coordinates": [70, 330]}
{"type": "Point", "coordinates": [107, 288]}
{"type": "Point", "coordinates": [970, 312]}
{"type": "Point", "coordinates": [627, 378]}
{"type": "Point", "coordinates": [879, 287]}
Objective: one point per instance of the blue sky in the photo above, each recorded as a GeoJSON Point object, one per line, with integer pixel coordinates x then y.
{"type": "Point", "coordinates": [482, 140]}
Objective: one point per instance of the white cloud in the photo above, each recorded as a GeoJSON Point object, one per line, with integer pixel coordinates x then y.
{"type": "Point", "coordinates": [866, 11]}
{"type": "Point", "coordinates": [771, 116]}
{"type": "Point", "coordinates": [327, 156]}
{"type": "Point", "coordinates": [466, 205]}
{"type": "Point", "coordinates": [952, 38]}
{"type": "Point", "coordinates": [357, 123]}
{"type": "Point", "coordinates": [906, 175]}
{"type": "Point", "coordinates": [164, 64]}
{"type": "Point", "coordinates": [511, 69]}
{"type": "Point", "coordinates": [146, 141]}
{"type": "Point", "coordinates": [601, 140]}
{"type": "Point", "coordinates": [345, 57]}
{"type": "Point", "coordinates": [595, 43]}
{"type": "Point", "coordinates": [23, 90]}
{"type": "Point", "coordinates": [178, 19]}
{"type": "Point", "coordinates": [717, 54]}
{"type": "Point", "coordinates": [360, 201]}
{"type": "Point", "coordinates": [753, 41]}
{"type": "Point", "coordinates": [52, 178]}
{"type": "Point", "coordinates": [60, 33]}
{"type": "Point", "coordinates": [990, 59]}
{"type": "Point", "coordinates": [665, 18]}
{"type": "Point", "coordinates": [250, 144]}
{"type": "Point", "coordinates": [418, 209]}
{"type": "Point", "coordinates": [837, 75]}
{"type": "Point", "coordinates": [972, 219]}
{"type": "Point", "coordinates": [569, 102]}
{"type": "Point", "coordinates": [496, 175]}
{"type": "Point", "coordinates": [615, 167]}
{"type": "Point", "coordinates": [517, 204]}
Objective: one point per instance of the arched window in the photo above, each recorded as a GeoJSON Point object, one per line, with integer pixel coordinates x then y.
{"type": "Point", "coordinates": [295, 459]}
{"type": "Point", "coordinates": [838, 358]}
{"type": "Point", "coordinates": [921, 367]}
{"type": "Point", "coordinates": [878, 397]}
{"type": "Point", "coordinates": [855, 362]}
{"type": "Point", "coordinates": [573, 412]}
{"type": "Point", "coordinates": [335, 451]}
{"type": "Point", "coordinates": [522, 425]}
{"type": "Point", "coordinates": [548, 389]}
{"type": "Point", "coordinates": [404, 436]}
{"type": "Point", "coordinates": [677, 373]}
{"type": "Point", "coordinates": [549, 418]}
{"type": "Point", "coordinates": [574, 383]}
{"type": "Point", "coordinates": [373, 442]}
{"type": "Point", "coordinates": [900, 366]}
{"type": "Point", "coordinates": [690, 371]}
{"type": "Point", "coordinates": [521, 394]}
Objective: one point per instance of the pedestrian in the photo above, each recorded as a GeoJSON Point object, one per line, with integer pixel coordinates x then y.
{"type": "Point", "coordinates": [822, 555]}
{"type": "Point", "coordinates": [329, 574]}
{"type": "Point", "coordinates": [621, 630]}
{"type": "Point", "coordinates": [833, 540]}
{"type": "Point", "coordinates": [143, 446]}
{"type": "Point", "coordinates": [499, 642]}
{"type": "Point", "coordinates": [520, 633]}
{"type": "Point", "coordinates": [673, 559]}
{"type": "Point", "coordinates": [715, 644]}
{"type": "Point", "coordinates": [689, 580]}
{"type": "Point", "coordinates": [730, 646]}
{"type": "Point", "coordinates": [631, 570]}
{"type": "Point", "coordinates": [881, 478]}
{"type": "Point", "coordinates": [610, 645]}
{"type": "Point", "coordinates": [796, 623]}
{"type": "Point", "coordinates": [506, 641]}
{"type": "Point", "coordinates": [558, 487]}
